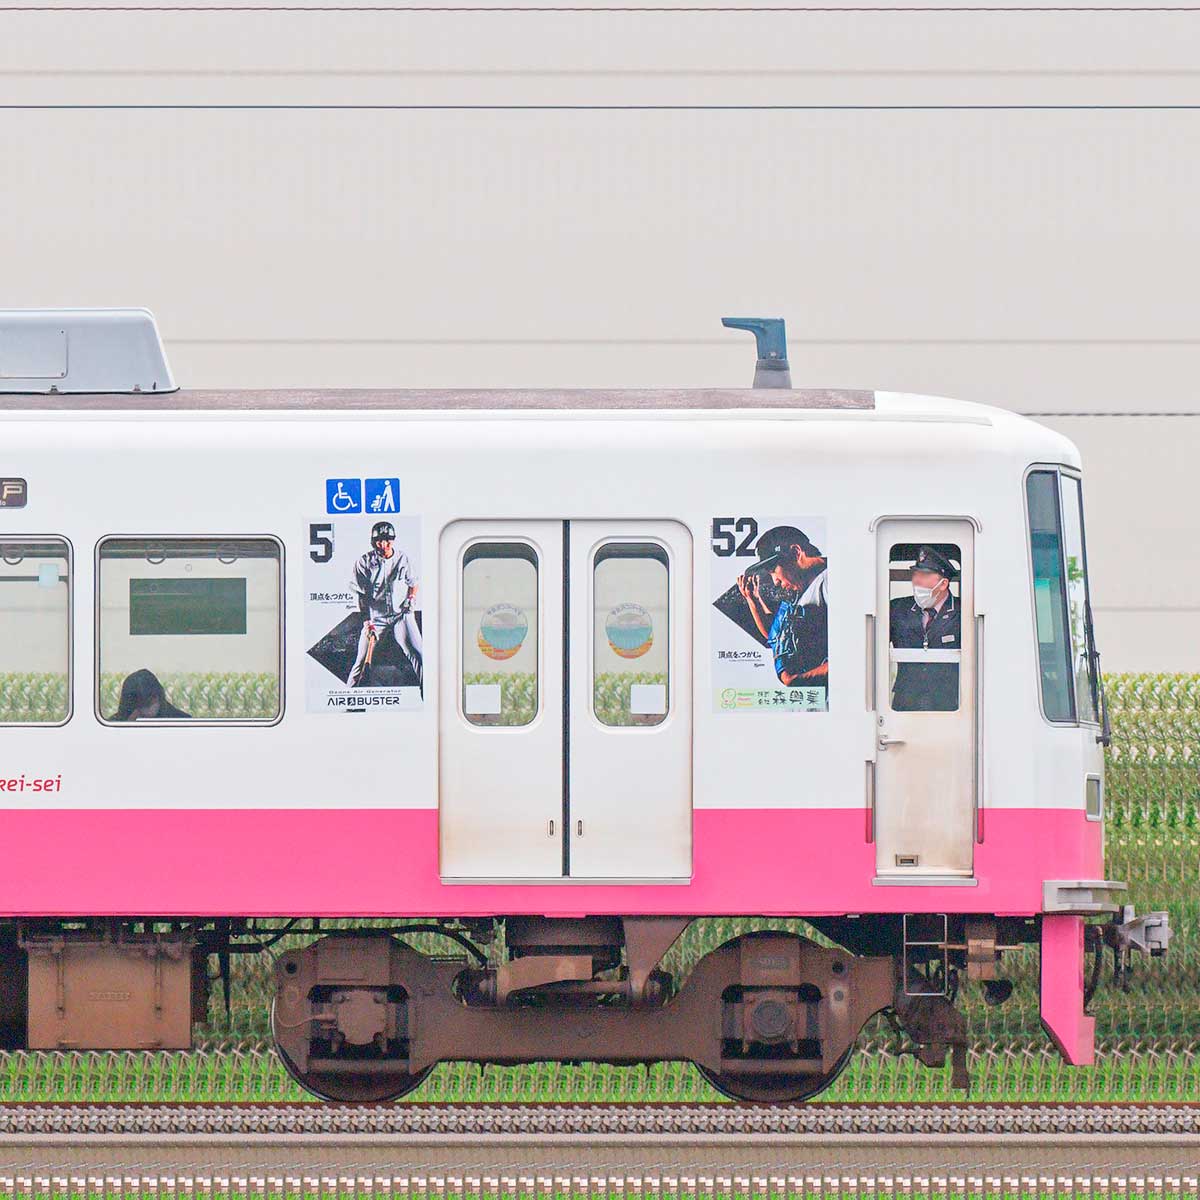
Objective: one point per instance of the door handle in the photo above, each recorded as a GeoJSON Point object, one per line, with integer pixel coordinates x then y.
{"type": "Point", "coordinates": [885, 741]}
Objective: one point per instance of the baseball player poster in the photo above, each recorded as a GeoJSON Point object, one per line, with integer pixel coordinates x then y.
{"type": "Point", "coordinates": [770, 615]}
{"type": "Point", "coordinates": [363, 620]}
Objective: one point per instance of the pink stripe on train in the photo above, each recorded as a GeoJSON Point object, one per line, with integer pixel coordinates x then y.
{"type": "Point", "coordinates": [306, 862]}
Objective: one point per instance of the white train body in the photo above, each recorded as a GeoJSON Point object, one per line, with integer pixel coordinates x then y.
{"type": "Point", "coordinates": [712, 787]}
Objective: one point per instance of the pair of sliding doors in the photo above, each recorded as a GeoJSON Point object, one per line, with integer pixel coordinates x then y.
{"type": "Point", "coordinates": [566, 700]}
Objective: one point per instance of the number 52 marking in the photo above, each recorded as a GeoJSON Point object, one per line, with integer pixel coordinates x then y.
{"type": "Point", "coordinates": [724, 536]}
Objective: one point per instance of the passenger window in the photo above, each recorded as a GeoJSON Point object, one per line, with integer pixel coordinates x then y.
{"type": "Point", "coordinates": [925, 626]}
{"type": "Point", "coordinates": [630, 603]}
{"type": "Point", "coordinates": [1050, 596]}
{"type": "Point", "coordinates": [1079, 609]}
{"type": "Point", "coordinates": [189, 629]}
{"type": "Point", "coordinates": [500, 634]}
{"type": "Point", "coordinates": [35, 631]}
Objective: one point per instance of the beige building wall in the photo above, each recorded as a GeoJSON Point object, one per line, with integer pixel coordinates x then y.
{"type": "Point", "coordinates": [998, 206]}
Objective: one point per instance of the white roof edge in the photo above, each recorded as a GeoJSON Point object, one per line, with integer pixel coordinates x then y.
{"type": "Point", "coordinates": [72, 351]}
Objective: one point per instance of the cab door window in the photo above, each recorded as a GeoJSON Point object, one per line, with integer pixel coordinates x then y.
{"type": "Point", "coordinates": [189, 629]}
{"type": "Point", "coordinates": [35, 631]}
{"type": "Point", "coordinates": [925, 627]}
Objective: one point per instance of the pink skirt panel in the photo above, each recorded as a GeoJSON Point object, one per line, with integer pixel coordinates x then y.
{"type": "Point", "coordinates": [384, 862]}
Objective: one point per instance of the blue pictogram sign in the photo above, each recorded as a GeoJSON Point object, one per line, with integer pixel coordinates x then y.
{"type": "Point", "coordinates": [343, 495]}
{"type": "Point", "coordinates": [382, 495]}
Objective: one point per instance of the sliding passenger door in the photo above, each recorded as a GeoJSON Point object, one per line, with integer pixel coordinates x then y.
{"type": "Point", "coordinates": [630, 770]}
{"type": "Point", "coordinates": [565, 701]}
{"type": "Point", "coordinates": [501, 700]}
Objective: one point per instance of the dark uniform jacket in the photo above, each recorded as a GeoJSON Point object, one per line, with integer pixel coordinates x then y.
{"type": "Point", "coordinates": [932, 686]}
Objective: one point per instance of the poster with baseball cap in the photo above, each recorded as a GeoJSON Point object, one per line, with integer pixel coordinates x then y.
{"type": "Point", "coordinates": [770, 614]}
{"type": "Point", "coordinates": [362, 613]}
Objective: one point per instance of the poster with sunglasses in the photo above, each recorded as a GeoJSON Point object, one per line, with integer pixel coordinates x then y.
{"type": "Point", "coordinates": [362, 614]}
{"type": "Point", "coordinates": [770, 614]}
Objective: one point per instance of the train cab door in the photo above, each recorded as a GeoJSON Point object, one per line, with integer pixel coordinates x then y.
{"type": "Point", "coordinates": [630, 768]}
{"type": "Point", "coordinates": [501, 700]}
{"type": "Point", "coordinates": [925, 770]}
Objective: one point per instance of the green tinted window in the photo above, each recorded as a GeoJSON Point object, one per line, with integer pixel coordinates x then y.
{"type": "Point", "coordinates": [1050, 596]}
{"type": "Point", "coordinates": [35, 631]}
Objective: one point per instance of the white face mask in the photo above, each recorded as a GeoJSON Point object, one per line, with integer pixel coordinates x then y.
{"type": "Point", "coordinates": [923, 596]}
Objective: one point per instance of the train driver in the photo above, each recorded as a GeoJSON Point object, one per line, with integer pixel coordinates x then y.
{"type": "Point", "coordinates": [928, 620]}
{"type": "Point", "coordinates": [797, 629]}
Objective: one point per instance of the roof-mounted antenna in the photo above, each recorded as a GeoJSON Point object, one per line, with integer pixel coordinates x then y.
{"type": "Point", "coordinates": [771, 370]}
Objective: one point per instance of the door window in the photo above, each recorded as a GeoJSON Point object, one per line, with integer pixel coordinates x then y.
{"type": "Point", "coordinates": [500, 634]}
{"type": "Point", "coordinates": [35, 632]}
{"type": "Point", "coordinates": [925, 627]}
{"type": "Point", "coordinates": [630, 634]}
{"type": "Point", "coordinates": [189, 629]}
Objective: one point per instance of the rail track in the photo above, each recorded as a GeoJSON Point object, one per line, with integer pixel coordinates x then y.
{"type": "Point", "coordinates": [316, 1152]}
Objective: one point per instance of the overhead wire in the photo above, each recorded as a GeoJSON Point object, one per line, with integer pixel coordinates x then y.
{"type": "Point", "coordinates": [623, 9]}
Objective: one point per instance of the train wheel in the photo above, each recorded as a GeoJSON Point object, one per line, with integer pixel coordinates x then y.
{"type": "Point", "coordinates": [774, 1089]}
{"type": "Point", "coordinates": [349, 1088]}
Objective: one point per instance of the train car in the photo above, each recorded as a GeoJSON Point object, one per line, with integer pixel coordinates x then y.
{"type": "Point", "coordinates": [553, 674]}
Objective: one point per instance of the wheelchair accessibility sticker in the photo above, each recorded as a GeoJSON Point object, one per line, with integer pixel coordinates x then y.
{"type": "Point", "coordinates": [343, 496]}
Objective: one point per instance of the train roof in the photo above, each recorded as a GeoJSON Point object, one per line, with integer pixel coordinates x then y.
{"type": "Point", "coordinates": [750, 402]}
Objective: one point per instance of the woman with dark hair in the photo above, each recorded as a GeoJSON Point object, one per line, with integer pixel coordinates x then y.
{"type": "Point", "coordinates": [142, 696]}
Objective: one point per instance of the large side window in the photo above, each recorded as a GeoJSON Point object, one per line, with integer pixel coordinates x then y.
{"type": "Point", "coordinates": [35, 631]}
{"type": "Point", "coordinates": [189, 629]}
{"type": "Point", "coordinates": [500, 633]}
{"type": "Point", "coordinates": [1050, 596]}
{"type": "Point", "coordinates": [1079, 605]}
{"type": "Point", "coordinates": [630, 603]}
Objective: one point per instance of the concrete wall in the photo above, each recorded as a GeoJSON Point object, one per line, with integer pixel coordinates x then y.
{"type": "Point", "coordinates": [999, 206]}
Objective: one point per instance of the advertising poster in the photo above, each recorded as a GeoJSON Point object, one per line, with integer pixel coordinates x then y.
{"type": "Point", "coordinates": [363, 620]}
{"type": "Point", "coordinates": [770, 620]}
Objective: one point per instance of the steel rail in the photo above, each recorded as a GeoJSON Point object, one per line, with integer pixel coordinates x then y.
{"type": "Point", "coordinates": [617, 1148]}
{"type": "Point", "coordinates": [607, 1157]}
{"type": "Point", "coordinates": [484, 1120]}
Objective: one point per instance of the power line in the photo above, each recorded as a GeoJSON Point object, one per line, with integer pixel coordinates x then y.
{"type": "Point", "coordinates": [568, 9]}
{"type": "Point", "coordinates": [762, 108]}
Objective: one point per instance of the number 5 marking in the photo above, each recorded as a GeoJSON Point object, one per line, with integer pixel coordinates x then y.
{"type": "Point", "coordinates": [320, 541]}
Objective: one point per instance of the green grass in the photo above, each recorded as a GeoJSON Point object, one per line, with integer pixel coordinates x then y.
{"type": "Point", "coordinates": [208, 696]}
{"type": "Point", "coordinates": [27, 698]}
{"type": "Point", "coordinates": [1148, 1045]}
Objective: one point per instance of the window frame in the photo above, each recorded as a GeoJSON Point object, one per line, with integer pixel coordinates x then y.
{"type": "Point", "coordinates": [281, 638]}
{"type": "Point", "coordinates": [668, 561]}
{"type": "Point", "coordinates": [32, 539]}
{"type": "Point", "coordinates": [535, 558]}
{"type": "Point", "coordinates": [1058, 470]}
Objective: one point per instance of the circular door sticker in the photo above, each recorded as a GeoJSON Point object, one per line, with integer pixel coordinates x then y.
{"type": "Point", "coordinates": [502, 630]}
{"type": "Point", "coordinates": [630, 630]}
